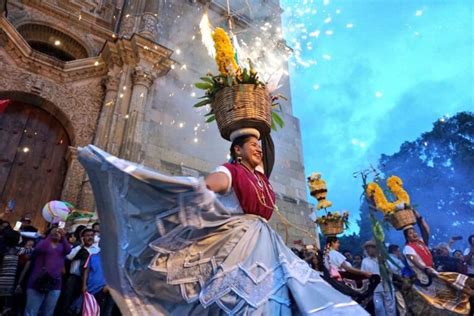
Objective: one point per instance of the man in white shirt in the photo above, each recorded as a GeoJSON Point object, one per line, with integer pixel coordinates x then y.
{"type": "Point", "coordinates": [78, 257]}
{"type": "Point", "coordinates": [384, 302]}
{"type": "Point", "coordinates": [469, 256]}
{"type": "Point", "coordinates": [396, 268]}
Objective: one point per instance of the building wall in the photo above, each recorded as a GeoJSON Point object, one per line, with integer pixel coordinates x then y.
{"type": "Point", "coordinates": [143, 58]}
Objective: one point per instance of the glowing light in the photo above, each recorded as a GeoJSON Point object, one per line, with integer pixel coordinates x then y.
{"type": "Point", "coordinates": [195, 140]}
{"type": "Point", "coordinates": [57, 42]}
{"type": "Point", "coordinates": [329, 32]}
{"type": "Point", "coordinates": [26, 149]}
{"type": "Point", "coordinates": [172, 66]}
{"type": "Point", "coordinates": [316, 87]}
{"type": "Point", "coordinates": [315, 33]}
{"type": "Point", "coordinates": [178, 51]}
{"type": "Point", "coordinates": [442, 119]}
{"type": "Point", "coordinates": [349, 25]}
{"type": "Point", "coordinates": [96, 63]}
{"type": "Point", "coordinates": [193, 94]}
{"type": "Point", "coordinates": [194, 37]}
{"type": "Point", "coordinates": [127, 15]}
{"type": "Point", "coordinates": [80, 17]}
{"type": "Point", "coordinates": [328, 20]}
{"type": "Point", "coordinates": [327, 56]}
{"type": "Point", "coordinates": [181, 125]}
{"type": "Point", "coordinates": [124, 88]}
{"type": "Point", "coordinates": [184, 67]}
{"type": "Point", "coordinates": [126, 116]}
{"type": "Point", "coordinates": [114, 36]}
{"type": "Point", "coordinates": [326, 2]}
{"type": "Point", "coordinates": [419, 13]}
{"type": "Point", "coordinates": [121, 95]}
{"type": "Point", "coordinates": [206, 35]}
{"type": "Point", "coordinates": [425, 143]}
{"type": "Point", "coordinates": [378, 94]}
{"type": "Point", "coordinates": [338, 11]}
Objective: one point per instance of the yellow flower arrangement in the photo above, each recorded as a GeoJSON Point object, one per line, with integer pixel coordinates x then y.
{"type": "Point", "coordinates": [395, 185]}
{"type": "Point", "coordinates": [318, 189]}
{"type": "Point", "coordinates": [231, 74]}
{"type": "Point", "coordinates": [224, 52]}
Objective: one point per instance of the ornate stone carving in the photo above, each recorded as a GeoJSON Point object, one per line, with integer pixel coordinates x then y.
{"type": "Point", "coordinates": [148, 27]}
{"type": "Point", "coordinates": [112, 83]}
{"type": "Point", "coordinates": [143, 77]}
{"type": "Point", "coordinates": [127, 25]}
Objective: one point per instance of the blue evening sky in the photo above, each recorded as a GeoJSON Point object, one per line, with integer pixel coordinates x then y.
{"type": "Point", "coordinates": [368, 75]}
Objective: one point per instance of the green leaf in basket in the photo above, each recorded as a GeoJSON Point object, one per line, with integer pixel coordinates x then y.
{"type": "Point", "coordinates": [203, 85]}
{"type": "Point", "coordinates": [202, 103]}
{"type": "Point", "coordinates": [207, 79]}
{"type": "Point", "coordinates": [210, 118]}
{"type": "Point", "coordinates": [245, 76]}
{"type": "Point", "coordinates": [277, 119]}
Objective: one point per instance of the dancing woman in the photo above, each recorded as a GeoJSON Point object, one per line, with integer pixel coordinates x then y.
{"type": "Point", "coordinates": [184, 246]}
{"type": "Point", "coordinates": [441, 293]}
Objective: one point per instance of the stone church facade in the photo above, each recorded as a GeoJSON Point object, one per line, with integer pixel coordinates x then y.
{"type": "Point", "coordinates": [120, 74]}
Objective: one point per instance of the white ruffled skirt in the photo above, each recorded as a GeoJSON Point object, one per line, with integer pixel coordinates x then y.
{"type": "Point", "coordinates": [171, 247]}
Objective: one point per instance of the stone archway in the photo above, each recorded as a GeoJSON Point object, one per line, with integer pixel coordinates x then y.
{"type": "Point", "coordinates": [33, 160]}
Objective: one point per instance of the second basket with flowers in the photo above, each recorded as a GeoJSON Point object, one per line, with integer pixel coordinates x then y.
{"type": "Point", "coordinates": [238, 98]}
{"type": "Point", "coordinates": [332, 223]}
{"type": "Point", "coordinates": [399, 212]}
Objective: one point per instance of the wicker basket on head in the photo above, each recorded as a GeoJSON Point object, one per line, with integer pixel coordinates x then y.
{"type": "Point", "coordinates": [242, 106]}
{"type": "Point", "coordinates": [332, 228]}
{"type": "Point", "coordinates": [402, 218]}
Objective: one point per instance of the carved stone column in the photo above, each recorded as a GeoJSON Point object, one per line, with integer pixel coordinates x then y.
{"type": "Point", "coordinates": [133, 138]}
{"type": "Point", "coordinates": [148, 27]}
{"type": "Point", "coordinates": [106, 115]}
{"type": "Point", "coordinates": [149, 21]}
{"type": "Point", "coordinates": [73, 181]}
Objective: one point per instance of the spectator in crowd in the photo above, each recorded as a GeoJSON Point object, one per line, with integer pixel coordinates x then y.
{"type": "Point", "coordinates": [96, 229]}
{"type": "Point", "coordinates": [22, 274]}
{"type": "Point", "coordinates": [397, 267]}
{"type": "Point", "coordinates": [444, 262]}
{"type": "Point", "coordinates": [336, 262]}
{"type": "Point", "coordinates": [395, 254]}
{"type": "Point", "coordinates": [357, 262]}
{"type": "Point", "coordinates": [348, 256]}
{"type": "Point", "coordinates": [458, 254]}
{"type": "Point", "coordinates": [78, 257]}
{"type": "Point", "coordinates": [94, 283]}
{"type": "Point", "coordinates": [384, 301]}
{"type": "Point", "coordinates": [44, 285]}
{"type": "Point", "coordinates": [71, 238]}
{"type": "Point", "coordinates": [469, 256]}
{"type": "Point", "coordinates": [77, 234]}
{"type": "Point", "coordinates": [8, 268]}
{"type": "Point", "coordinates": [26, 225]}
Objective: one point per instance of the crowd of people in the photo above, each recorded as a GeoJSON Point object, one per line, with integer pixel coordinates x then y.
{"type": "Point", "coordinates": [49, 274]}
{"type": "Point", "coordinates": [343, 265]}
